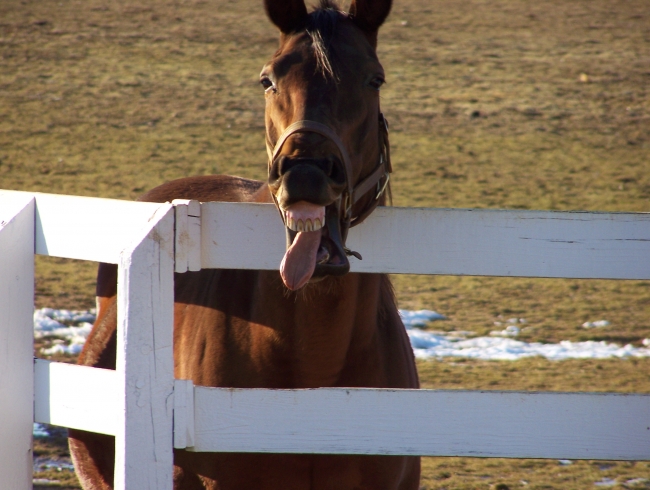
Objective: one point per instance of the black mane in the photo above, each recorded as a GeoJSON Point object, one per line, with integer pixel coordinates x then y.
{"type": "Point", "coordinates": [321, 27]}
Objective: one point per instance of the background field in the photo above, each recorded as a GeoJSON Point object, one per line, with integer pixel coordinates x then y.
{"type": "Point", "coordinates": [499, 104]}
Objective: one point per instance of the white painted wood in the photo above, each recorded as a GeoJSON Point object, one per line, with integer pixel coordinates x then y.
{"type": "Point", "coordinates": [424, 422]}
{"type": "Point", "coordinates": [79, 397]}
{"type": "Point", "coordinates": [144, 438]}
{"type": "Point", "coordinates": [151, 413]}
{"type": "Point", "coordinates": [181, 235]}
{"type": "Point", "coordinates": [448, 241]}
{"type": "Point", "coordinates": [187, 235]}
{"type": "Point", "coordinates": [86, 228]}
{"type": "Point", "coordinates": [241, 236]}
{"type": "Point", "coordinates": [16, 339]}
{"type": "Point", "coordinates": [183, 413]}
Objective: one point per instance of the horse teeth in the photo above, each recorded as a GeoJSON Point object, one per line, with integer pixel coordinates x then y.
{"type": "Point", "coordinates": [297, 223]}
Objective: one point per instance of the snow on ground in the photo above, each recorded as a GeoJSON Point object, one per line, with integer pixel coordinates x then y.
{"type": "Point", "coordinates": [501, 345]}
{"type": "Point", "coordinates": [69, 330]}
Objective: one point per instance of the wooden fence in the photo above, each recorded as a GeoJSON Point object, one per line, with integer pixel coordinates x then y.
{"type": "Point", "coordinates": [149, 412]}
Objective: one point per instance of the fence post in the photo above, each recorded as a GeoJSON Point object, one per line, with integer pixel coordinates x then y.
{"type": "Point", "coordinates": [145, 365]}
{"type": "Point", "coordinates": [16, 340]}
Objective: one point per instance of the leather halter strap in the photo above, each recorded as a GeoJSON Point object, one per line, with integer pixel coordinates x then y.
{"type": "Point", "coordinates": [306, 126]}
{"type": "Point", "coordinates": [353, 193]}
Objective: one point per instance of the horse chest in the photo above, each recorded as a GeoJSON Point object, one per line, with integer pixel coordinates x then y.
{"type": "Point", "coordinates": [244, 330]}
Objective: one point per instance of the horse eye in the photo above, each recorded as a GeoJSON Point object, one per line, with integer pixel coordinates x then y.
{"type": "Point", "coordinates": [266, 83]}
{"type": "Point", "coordinates": [377, 82]}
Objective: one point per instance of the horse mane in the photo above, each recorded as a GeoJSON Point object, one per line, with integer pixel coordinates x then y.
{"type": "Point", "coordinates": [321, 27]}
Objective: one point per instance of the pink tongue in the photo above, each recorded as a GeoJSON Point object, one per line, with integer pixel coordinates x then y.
{"type": "Point", "coordinates": [299, 262]}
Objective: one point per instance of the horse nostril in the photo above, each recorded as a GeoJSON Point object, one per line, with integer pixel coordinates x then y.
{"type": "Point", "coordinates": [329, 166]}
{"type": "Point", "coordinates": [282, 166]}
{"type": "Point", "coordinates": [336, 170]}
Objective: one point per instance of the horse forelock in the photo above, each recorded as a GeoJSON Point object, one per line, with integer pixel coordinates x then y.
{"type": "Point", "coordinates": [321, 27]}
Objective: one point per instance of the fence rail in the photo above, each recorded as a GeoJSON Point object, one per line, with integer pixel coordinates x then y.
{"type": "Point", "coordinates": [477, 242]}
{"type": "Point", "coordinates": [149, 412]}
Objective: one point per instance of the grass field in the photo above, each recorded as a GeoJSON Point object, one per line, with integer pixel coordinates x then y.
{"type": "Point", "coordinates": [501, 104]}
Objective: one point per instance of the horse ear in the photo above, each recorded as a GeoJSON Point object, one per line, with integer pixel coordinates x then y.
{"type": "Point", "coordinates": [289, 15]}
{"type": "Point", "coordinates": [369, 15]}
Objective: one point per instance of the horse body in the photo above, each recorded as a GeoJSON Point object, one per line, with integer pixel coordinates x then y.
{"type": "Point", "coordinates": [311, 326]}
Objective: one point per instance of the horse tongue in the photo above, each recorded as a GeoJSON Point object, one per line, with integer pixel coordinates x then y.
{"type": "Point", "coordinates": [299, 261]}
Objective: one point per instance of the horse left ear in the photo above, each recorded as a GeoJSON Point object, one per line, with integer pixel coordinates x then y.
{"type": "Point", "coordinates": [369, 15]}
{"type": "Point", "coordinates": [289, 15]}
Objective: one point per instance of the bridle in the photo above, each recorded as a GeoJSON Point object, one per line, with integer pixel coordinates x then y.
{"type": "Point", "coordinates": [378, 179]}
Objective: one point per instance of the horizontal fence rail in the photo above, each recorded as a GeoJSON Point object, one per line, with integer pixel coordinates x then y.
{"type": "Point", "coordinates": [424, 422]}
{"type": "Point", "coordinates": [86, 228]}
{"type": "Point", "coordinates": [608, 426]}
{"type": "Point", "coordinates": [149, 412]}
{"type": "Point", "coordinates": [77, 397]}
{"type": "Point", "coordinates": [448, 241]}
{"type": "Point", "coordinates": [393, 240]}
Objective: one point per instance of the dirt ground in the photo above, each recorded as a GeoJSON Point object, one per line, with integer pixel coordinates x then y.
{"type": "Point", "coordinates": [500, 104]}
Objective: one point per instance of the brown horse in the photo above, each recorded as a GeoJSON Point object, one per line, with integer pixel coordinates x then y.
{"type": "Point", "coordinates": [312, 325]}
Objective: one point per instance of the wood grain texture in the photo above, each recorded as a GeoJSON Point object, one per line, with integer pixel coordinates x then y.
{"type": "Point", "coordinates": [187, 235]}
{"type": "Point", "coordinates": [183, 413]}
{"type": "Point", "coordinates": [145, 365]}
{"type": "Point", "coordinates": [424, 422]}
{"type": "Point", "coordinates": [448, 241]}
{"type": "Point", "coordinates": [16, 339]}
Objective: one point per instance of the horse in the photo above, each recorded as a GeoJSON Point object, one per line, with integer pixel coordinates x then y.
{"type": "Point", "coordinates": [312, 323]}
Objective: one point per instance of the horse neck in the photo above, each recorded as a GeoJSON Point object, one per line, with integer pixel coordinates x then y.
{"type": "Point", "coordinates": [325, 327]}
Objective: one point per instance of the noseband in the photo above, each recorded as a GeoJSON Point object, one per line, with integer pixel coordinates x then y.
{"type": "Point", "coordinates": [352, 193]}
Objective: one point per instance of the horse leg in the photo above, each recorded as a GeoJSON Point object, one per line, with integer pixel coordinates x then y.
{"type": "Point", "coordinates": [93, 456]}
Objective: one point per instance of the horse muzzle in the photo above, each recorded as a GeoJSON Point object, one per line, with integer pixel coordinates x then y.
{"type": "Point", "coordinates": [317, 180]}
{"type": "Point", "coordinates": [315, 197]}
{"type": "Point", "coordinates": [308, 194]}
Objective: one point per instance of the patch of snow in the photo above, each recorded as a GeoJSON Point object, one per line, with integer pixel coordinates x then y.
{"type": "Point", "coordinates": [40, 431]}
{"type": "Point", "coordinates": [509, 331]}
{"type": "Point", "coordinates": [511, 321]}
{"type": "Point", "coordinates": [606, 482]}
{"type": "Point", "coordinates": [419, 318]}
{"type": "Point", "coordinates": [428, 345]}
{"type": "Point", "coordinates": [44, 464]}
{"type": "Point", "coordinates": [596, 324]}
{"type": "Point", "coordinates": [500, 345]}
{"type": "Point", "coordinates": [637, 481]}
{"type": "Point", "coordinates": [69, 330]}
{"type": "Point", "coordinates": [45, 481]}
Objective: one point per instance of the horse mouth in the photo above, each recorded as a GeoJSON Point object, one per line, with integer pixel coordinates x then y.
{"type": "Point", "coordinates": [314, 244]}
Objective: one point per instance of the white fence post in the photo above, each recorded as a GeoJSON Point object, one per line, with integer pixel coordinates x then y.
{"type": "Point", "coordinates": [16, 340]}
{"type": "Point", "coordinates": [145, 365]}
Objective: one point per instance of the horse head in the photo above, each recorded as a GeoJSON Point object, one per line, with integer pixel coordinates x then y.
{"type": "Point", "coordinates": [326, 137]}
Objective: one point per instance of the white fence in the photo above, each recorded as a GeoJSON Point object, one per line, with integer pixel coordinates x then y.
{"type": "Point", "coordinates": [149, 412]}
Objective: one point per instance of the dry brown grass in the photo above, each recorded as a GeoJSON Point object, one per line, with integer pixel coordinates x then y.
{"type": "Point", "coordinates": [506, 103]}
